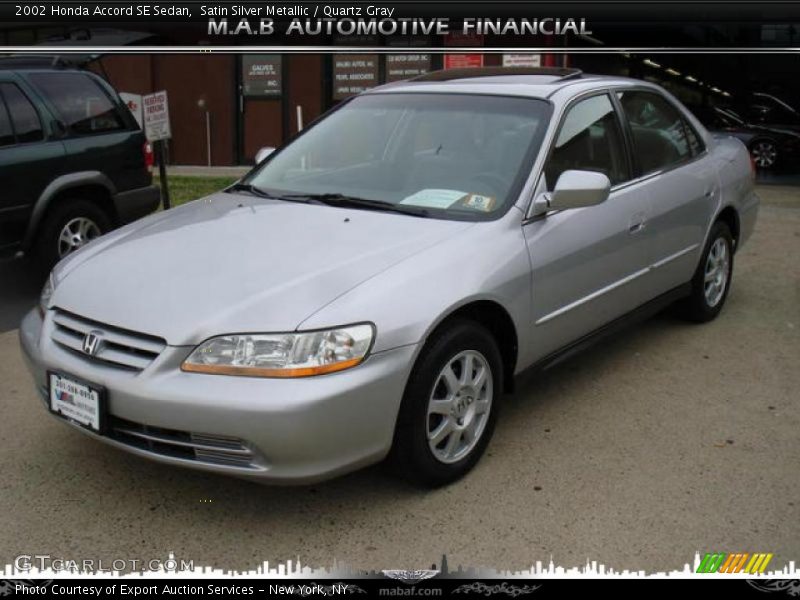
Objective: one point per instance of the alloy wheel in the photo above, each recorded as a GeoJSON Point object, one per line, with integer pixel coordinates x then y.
{"type": "Point", "coordinates": [716, 272]}
{"type": "Point", "coordinates": [459, 406]}
{"type": "Point", "coordinates": [76, 233]}
{"type": "Point", "coordinates": [764, 154]}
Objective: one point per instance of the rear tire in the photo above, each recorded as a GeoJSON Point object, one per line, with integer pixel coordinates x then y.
{"type": "Point", "coordinates": [450, 405]}
{"type": "Point", "coordinates": [69, 225]}
{"type": "Point", "coordinates": [712, 279]}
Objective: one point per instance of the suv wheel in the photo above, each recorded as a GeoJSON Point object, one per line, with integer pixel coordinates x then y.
{"type": "Point", "coordinates": [67, 227]}
{"type": "Point", "coordinates": [450, 405]}
{"type": "Point", "coordinates": [712, 280]}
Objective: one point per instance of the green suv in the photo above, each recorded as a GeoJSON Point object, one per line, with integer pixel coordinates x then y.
{"type": "Point", "coordinates": [74, 163]}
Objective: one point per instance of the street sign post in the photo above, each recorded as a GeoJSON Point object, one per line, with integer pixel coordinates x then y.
{"type": "Point", "coordinates": [157, 129]}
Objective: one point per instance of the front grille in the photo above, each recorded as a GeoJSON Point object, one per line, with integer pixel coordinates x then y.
{"type": "Point", "coordinates": [119, 348]}
{"type": "Point", "coordinates": [200, 447]}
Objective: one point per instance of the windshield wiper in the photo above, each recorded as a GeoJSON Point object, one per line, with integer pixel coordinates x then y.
{"type": "Point", "coordinates": [354, 202]}
{"type": "Point", "coordinates": [261, 193]}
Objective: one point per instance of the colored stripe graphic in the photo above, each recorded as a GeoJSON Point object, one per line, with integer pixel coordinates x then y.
{"type": "Point", "coordinates": [721, 562]}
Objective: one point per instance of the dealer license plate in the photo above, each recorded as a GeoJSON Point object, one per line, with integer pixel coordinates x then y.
{"type": "Point", "coordinates": [76, 401]}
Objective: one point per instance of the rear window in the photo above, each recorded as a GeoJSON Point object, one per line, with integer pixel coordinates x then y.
{"type": "Point", "coordinates": [83, 106]}
{"type": "Point", "coordinates": [24, 118]}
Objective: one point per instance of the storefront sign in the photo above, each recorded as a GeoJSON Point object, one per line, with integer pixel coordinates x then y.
{"type": "Point", "coordinates": [462, 61]}
{"type": "Point", "coordinates": [353, 74]}
{"type": "Point", "coordinates": [262, 75]}
{"type": "Point", "coordinates": [522, 60]}
{"type": "Point", "coordinates": [406, 66]}
{"type": "Point", "coordinates": [156, 116]}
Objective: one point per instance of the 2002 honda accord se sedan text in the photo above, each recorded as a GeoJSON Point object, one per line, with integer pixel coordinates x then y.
{"type": "Point", "coordinates": [372, 288]}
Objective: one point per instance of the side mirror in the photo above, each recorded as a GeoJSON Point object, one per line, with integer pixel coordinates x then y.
{"type": "Point", "coordinates": [574, 189]}
{"type": "Point", "coordinates": [263, 153]}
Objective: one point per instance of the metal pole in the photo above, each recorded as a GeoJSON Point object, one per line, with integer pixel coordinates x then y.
{"type": "Point", "coordinates": [208, 136]}
{"type": "Point", "coordinates": [162, 174]}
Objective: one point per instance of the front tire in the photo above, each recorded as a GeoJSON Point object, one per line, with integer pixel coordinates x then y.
{"type": "Point", "coordinates": [712, 279]}
{"type": "Point", "coordinates": [450, 405]}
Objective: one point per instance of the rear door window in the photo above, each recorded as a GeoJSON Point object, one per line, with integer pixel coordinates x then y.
{"type": "Point", "coordinates": [83, 106]}
{"type": "Point", "coordinates": [24, 118]}
{"type": "Point", "coordinates": [659, 135]}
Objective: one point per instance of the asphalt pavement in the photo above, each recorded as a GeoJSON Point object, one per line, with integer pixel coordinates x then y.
{"type": "Point", "coordinates": [669, 439]}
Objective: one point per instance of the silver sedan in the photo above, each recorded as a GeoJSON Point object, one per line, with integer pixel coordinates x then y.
{"type": "Point", "coordinates": [372, 288]}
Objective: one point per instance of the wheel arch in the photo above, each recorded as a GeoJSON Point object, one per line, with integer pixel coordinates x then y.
{"type": "Point", "coordinates": [93, 186]}
{"type": "Point", "coordinates": [730, 216]}
{"type": "Point", "coordinates": [497, 320]}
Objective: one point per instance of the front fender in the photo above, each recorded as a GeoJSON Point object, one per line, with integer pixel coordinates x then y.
{"type": "Point", "coordinates": [408, 301]}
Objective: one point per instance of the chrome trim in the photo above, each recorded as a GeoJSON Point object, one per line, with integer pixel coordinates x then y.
{"type": "Point", "coordinates": [118, 348]}
{"type": "Point", "coordinates": [593, 295]}
{"type": "Point", "coordinates": [672, 257]}
{"type": "Point", "coordinates": [611, 287]}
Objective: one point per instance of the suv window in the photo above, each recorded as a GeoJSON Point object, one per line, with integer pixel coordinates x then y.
{"type": "Point", "coordinates": [659, 131]}
{"type": "Point", "coordinates": [6, 133]}
{"type": "Point", "coordinates": [590, 139]}
{"type": "Point", "coordinates": [24, 118]}
{"type": "Point", "coordinates": [83, 106]}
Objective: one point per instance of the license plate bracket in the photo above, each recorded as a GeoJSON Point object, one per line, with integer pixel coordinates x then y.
{"type": "Point", "coordinates": [77, 401]}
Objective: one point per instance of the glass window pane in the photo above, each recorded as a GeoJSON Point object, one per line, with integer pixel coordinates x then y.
{"type": "Point", "coordinates": [81, 104]}
{"type": "Point", "coordinates": [24, 117]}
{"type": "Point", "coordinates": [659, 136]}
{"type": "Point", "coordinates": [589, 140]}
{"type": "Point", "coordinates": [6, 133]}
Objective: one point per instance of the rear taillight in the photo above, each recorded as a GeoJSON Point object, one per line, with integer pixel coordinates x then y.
{"type": "Point", "coordinates": [149, 159]}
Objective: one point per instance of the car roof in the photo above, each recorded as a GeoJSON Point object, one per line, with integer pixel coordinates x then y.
{"type": "Point", "coordinates": [541, 82]}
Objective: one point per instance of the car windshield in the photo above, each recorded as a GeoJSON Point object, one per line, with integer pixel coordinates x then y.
{"type": "Point", "coordinates": [442, 155]}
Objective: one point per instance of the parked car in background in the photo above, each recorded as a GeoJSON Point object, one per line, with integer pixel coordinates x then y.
{"type": "Point", "coordinates": [373, 287]}
{"type": "Point", "coordinates": [770, 146]}
{"type": "Point", "coordinates": [74, 163]}
{"type": "Point", "coordinates": [765, 109]}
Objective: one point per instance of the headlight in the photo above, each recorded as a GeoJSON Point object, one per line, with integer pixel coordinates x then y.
{"type": "Point", "coordinates": [46, 295]}
{"type": "Point", "coordinates": [282, 354]}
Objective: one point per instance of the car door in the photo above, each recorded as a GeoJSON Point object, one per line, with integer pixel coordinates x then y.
{"type": "Point", "coordinates": [681, 181]}
{"type": "Point", "coordinates": [28, 161]}
{"type": "Point", "coordinates": [589, 265]}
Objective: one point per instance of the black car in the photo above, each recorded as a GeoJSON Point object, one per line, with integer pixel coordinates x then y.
{"type": "Point", "coordinates": [74, 163]}
{"type": "Point", "coordinates": [770, 146]}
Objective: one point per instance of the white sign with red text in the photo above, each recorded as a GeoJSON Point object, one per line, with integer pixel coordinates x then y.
{"type": "Point", "coordinates": [155, 108]}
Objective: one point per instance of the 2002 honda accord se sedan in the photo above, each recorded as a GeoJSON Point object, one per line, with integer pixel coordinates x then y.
{"type": "Point", "coordinates": [372, 288]}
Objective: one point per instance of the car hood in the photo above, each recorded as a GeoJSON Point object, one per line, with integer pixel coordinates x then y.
{"type": "Point", "coordinates": [232, 263]}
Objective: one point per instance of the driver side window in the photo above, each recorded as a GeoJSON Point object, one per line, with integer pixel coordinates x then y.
{"type": "Point", "coordinates": [590, 139]}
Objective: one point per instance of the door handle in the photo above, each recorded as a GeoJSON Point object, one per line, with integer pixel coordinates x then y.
{"type": "Point", "coordinates": [710, 193]}
{"type": "Point", "coordinates": [636, 224]}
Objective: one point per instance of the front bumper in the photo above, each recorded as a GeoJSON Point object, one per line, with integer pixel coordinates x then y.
{"type": "Point", "coordinates": [298, 430]}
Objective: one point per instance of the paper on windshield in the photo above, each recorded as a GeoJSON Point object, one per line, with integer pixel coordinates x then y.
{"type": "Point", "coordinates": [434, 198]}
